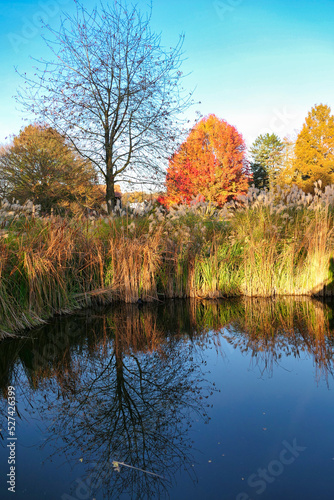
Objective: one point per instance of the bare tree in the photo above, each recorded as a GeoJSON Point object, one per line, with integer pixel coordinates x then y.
{"type": "Point", "coordinates": [113, 90]}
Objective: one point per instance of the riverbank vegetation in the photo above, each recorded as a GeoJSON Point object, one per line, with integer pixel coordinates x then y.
{"type": "Point", "coordinates": [263, 244]}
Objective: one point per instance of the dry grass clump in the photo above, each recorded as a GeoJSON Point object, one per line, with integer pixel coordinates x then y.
{"type": "Point", "coordinates": [54, 265]}
{"type": "Point", "coordinates": [287, 241]}
{"type": "Point", "coordinates": [262, 244]}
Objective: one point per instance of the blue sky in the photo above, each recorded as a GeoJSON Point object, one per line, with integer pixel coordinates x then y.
{"type": "Point", "coordinates": [259, 64]}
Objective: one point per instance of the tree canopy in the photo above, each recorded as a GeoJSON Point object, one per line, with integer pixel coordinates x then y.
{"type": "Point", "coordinates": [111, 89]}
{"type": "Point", "coordinates": [266, 153]}
{"type": "Point", "coordinates": [210, 162]}
{"type": "Point", "coordinates": [40, 166]}
{"type": "Point", "coordinates": [314, 149]}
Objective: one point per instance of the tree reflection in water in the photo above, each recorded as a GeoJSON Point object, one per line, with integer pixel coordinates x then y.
{"type": "Point", "coordinates": [124, 392]}
{"type": "Point", "coordinates": [132, 402]}
{"type": "Point", "coordinates": [125, 384]}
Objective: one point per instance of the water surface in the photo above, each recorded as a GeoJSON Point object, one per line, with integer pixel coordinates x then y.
{"type": "Point", "coordinates": [199, 400]}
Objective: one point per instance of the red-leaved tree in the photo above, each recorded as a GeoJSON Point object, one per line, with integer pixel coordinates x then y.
{"type": "Point", "coordinates": [210, 163]}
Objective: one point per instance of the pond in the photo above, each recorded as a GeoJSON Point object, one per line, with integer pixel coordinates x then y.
{"type": "Point", "coordinates": [180, 400]}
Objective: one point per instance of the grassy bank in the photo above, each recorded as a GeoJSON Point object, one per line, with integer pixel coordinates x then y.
{"type": "Point", "coordinates": [265, 244]}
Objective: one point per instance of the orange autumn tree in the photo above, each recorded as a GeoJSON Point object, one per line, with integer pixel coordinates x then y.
{"type": "Point", "coordinates": [210, 164]}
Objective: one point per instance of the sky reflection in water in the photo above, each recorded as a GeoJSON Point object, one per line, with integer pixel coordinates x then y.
{"type": "Point", "coordinates": [200, 400]}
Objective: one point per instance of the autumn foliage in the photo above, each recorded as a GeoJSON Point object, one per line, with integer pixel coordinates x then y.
{"type": "Point", "coordinates": [210, 164]}
{"type": "Point", "coordinates": [39, 165]}
{"type": "Point", "coordinates": [314, 149]}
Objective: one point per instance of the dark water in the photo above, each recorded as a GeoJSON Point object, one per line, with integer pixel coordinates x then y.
{"type": "Point", "coordinates": [185, 400]}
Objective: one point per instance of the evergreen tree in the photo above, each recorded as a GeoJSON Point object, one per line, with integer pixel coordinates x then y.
{"type": "Point", "coordinates": [266, 153]}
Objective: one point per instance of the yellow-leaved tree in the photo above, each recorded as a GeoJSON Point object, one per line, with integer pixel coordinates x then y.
{"type": "Point", "coordinates": [40, 165]}
{"type": "Point", "coordinates": [314, 149]}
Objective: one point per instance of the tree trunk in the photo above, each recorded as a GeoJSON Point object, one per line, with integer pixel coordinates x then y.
{"type": "Point", "coordinates": [110, 179]}
{"type": "Point", "coordinates": [110, 194]}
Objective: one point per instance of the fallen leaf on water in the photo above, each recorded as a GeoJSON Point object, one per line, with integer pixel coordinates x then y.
{"type": "Point", "coordinates": [116, 466]}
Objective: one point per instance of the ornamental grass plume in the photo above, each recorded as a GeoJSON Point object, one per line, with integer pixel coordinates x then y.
{"type": "Point", "coordinates": [262, 244]}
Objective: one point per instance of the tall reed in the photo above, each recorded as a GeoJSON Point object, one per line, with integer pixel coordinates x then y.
{"type": "Point", "coordinates": [263, 244]}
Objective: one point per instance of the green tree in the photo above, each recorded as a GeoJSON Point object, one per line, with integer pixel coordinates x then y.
{"type": "Point", "coordinates": [314, 149]}
{"type": "Point", "coordinates": [266, 154]}
{"type": "Point", "coordinates": [40, 166]}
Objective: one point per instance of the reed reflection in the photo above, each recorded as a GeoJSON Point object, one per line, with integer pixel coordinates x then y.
{"type": "Point", "coordinates": [125, 384]}
{"type": "Point", "coordinates": [272, 329]}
